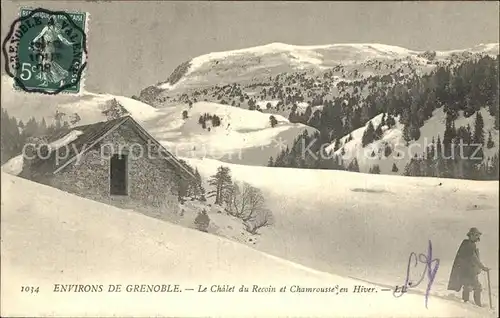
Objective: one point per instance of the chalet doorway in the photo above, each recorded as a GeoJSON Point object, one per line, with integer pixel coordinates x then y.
{"type": "Point", "coordinates": [118, 174]}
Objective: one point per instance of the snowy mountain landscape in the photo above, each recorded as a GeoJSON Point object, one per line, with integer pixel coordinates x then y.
{"type": "Point", "coordinates": [243, 137]}
{"type": "Point", "coordinates": [346, 86]}
{"type": "Point", "coordinates": [348, 78]}
{"type": "Point", "coordinates": [257, 63]}
{"type": "Point", "coordinates": [258, 112]}
{"type": "Point", "coordinates": [367, 240]}
{"type": "Point", "coordinates": [148, 251]}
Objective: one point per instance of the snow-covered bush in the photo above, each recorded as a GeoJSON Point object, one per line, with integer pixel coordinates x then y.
{"type": "Point", "coordinates": [202, 221]}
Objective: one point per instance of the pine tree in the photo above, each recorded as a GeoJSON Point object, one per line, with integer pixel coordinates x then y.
{"type": "Point", "coordinates": [439, 164]}
{"type": "Point", "coordinates": [493, 168]}
{"type": "Point", "coordinates": [199, 189]}
{"type": "Point", "coordinates": [378, 132]}
{"type": "Point", "coordinates": [449, 135]}
{"type": "Point", "coordinates": [406, 134]}
{"type": "Point", "coordinates": [336, 145]}
{"type": "Point", "coordinates": [215, 121]}
{"type": "Point", "coordinates": [394, 167]}
{"type": "Point", "coordinates": [428, 163]}
{"type": "Point", "coordinates": [251, 104]}
{"type": "Point", "coordinates": [202, 221]}
{"type": "Point", "coordinates": [490, 144]}
{"type": "Point", "coordinates": [307, 114]}
{"type": "Point", "coordinates": [273, 121]}
{"type": "Point", "coordinates": [11, 140]}
{"type": "Point", "coordinates": [31, 128]}
{"type": "Point", "coordinates": [390, 121]}
{"type": "Point", "coordinates": [413, 167]}
{"type": "Point", "coordinates": [496, 124]}
{"type": "Point", "coordinates": [375, 169]}
{"type": "Point", "coordinates": [414, 132]}
{"type": "Point", "coordinates": [478, 129]}
{"type": "Point", "coordinates": [483, 169]}
{"type": "Point", "coordinates": [58, 117]}
{"type": "Point", "coordinates": [368, 135]}
{"type": "Point", "coordinates": [270, 163]}
{"type": "Point", "coordinates": [222, 182]}
{"type": "Point", "coordinates": [191, 187]}
{"type": "Point", "coordinates": [472, 154]}
{"type": "Point", "coordinates": [353, 166]}
{"type": "Point", "coordinates": [387, 150]}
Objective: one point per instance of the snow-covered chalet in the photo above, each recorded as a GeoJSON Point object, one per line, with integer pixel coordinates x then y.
{"type": "Point", "coordinates": [115, 161]}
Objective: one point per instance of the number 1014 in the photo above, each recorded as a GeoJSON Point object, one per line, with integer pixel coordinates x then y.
{"type": "Point", "coordinates": [30, 289]}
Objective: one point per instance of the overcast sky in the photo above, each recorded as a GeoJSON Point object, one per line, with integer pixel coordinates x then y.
{"type": "Point", "coordinates": [135, 44]}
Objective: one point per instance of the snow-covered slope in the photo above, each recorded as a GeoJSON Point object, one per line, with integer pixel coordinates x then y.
{"type": "Point", "coordinates": [51, 237]}
{"type": "Point", "coordinates": [401, 153]}
{"type": "Point", "coordinates": [14, 166]}
{"type": "Point", "coordinates": [88, 106]}
{"type": "Point", "coordinates": [244, 136]}
{"type": "Point", "coordinates": [366, 226]}
{"type": "Point", "coordinates": [272, 55]}
{"type": "Point", "coordinates": [271, 59]}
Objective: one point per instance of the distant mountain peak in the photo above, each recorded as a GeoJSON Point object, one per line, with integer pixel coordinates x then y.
{"type": "Point", "coordinates": [251, 63]}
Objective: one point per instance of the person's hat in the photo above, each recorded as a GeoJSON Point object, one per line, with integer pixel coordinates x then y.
{"type": "Point", "coordinates": [473, 230]}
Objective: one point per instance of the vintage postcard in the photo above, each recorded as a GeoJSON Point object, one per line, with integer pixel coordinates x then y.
{"type": "Point", "coordinates": [249, 159]}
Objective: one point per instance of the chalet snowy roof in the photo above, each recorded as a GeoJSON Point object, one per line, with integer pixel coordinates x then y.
{"type": "Point", "coordinates": [77, 140]}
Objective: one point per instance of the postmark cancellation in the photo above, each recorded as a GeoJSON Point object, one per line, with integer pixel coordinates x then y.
{"type": "Point", "coordinates": [46, 51]}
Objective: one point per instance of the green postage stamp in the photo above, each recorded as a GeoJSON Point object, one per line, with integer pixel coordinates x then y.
{"type": "Point", "coordinates": [45, 51]}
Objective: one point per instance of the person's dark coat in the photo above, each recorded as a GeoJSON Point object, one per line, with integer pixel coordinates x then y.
{"type": "Point", "coordinates": [466, 266]}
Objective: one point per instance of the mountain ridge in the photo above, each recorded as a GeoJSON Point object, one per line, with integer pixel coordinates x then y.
{"type": "Point", "coordinates": [251, 64]}
{"type": "Point", "coordinates": [340, 88]}
{"type": "Point", "coordinates": [279, 47]}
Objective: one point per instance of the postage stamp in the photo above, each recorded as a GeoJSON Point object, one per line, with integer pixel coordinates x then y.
{"type": "Point", "coordinates": [45, 51]}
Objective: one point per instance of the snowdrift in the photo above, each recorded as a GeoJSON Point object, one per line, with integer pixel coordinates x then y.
{"type": "Point", "coordinates": [51, 237]}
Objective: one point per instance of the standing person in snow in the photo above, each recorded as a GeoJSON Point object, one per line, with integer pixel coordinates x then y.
{"type": "Point", "coordinates": [467, 267]}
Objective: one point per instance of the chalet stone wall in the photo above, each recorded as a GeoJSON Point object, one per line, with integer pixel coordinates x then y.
{"type": "Point", "coordinates": [152, 181]}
